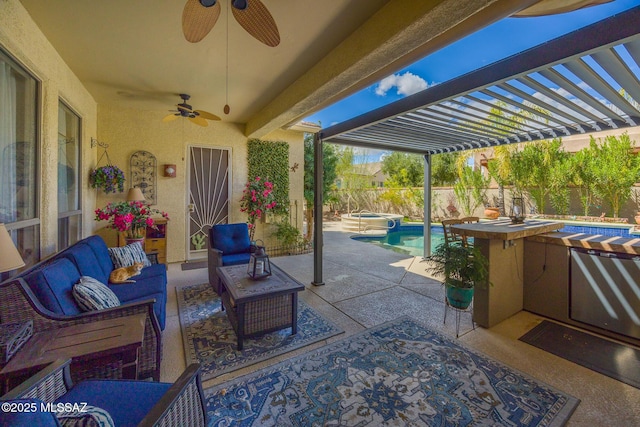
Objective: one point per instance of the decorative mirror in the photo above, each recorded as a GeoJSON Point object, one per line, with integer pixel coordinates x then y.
{"type": "Point", "coordinates": [143, 167]}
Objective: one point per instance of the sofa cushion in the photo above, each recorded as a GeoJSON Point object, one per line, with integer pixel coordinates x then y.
{"type": "Point", "coordinates": [91, 295]}
{"type": "Point", "coordinates": [126, 256]}
{"type": "Point", "coordinates": [87, 261]}
{"type": "Point", "coordinates": [236, 259]}
{"type": "Point", "coordinates": [99, 247]}
{"type": "Point", "coordinates": [126, 401]}
{"type": "Point", "coordinates": [31, 417]}
{"type": "Point", "coordinates": [52, 284]}
{"type": "Point", "coordinates": [230, 238]}
{"type": "Point", "coordinates": [89, 416]}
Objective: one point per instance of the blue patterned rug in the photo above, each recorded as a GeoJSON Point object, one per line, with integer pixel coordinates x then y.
{"type": "Point", "coordinates": [210, 340]}
{"type": "Point", "coordinates": [396, 374]}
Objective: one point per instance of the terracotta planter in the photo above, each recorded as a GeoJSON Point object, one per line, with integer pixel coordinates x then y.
{"type": "Point", "coordinates": [492, 213]}
{"type": "Point", "coordinates": [134, 240]}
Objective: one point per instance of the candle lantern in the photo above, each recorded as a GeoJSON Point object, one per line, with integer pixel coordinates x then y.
{"type": "Point", "coordinates": [517, 213]}
{"type": "Point", "coordinates": [259, 264]}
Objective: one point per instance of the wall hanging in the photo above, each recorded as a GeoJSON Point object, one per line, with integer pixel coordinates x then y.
{"type": "Point", "coordinates": [143, 168]}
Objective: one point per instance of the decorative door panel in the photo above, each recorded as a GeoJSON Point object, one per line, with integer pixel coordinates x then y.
{"type": "Point", "coordinates": [209, 190]}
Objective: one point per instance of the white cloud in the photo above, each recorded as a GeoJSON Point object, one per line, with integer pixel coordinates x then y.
{"type": "Point", "coordinates": [406, 84]}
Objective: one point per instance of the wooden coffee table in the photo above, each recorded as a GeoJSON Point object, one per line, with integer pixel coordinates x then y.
{"type": "Point", "coordinates": [90, 346]}
{"type": "Point", "coordinates": [256, 307]}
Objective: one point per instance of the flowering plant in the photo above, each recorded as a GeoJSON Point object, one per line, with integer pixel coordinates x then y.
{"type": "Point", "coordinates": [107, 178]}
{"type": "Point", "coordinates": [257, 199]}
{"type": "Point", "coordinates": [131, 218]}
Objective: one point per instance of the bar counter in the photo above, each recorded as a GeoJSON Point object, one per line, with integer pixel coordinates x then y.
{"type": "Point", "coordinates": [502, 243]}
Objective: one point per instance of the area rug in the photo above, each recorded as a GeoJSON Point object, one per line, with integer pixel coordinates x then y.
{"type": "Point", "coordinates": [210, 340]}
{"type": "Point", "coordinates": [194, 265]}
{"type": "Point", "coordinates": [396, 374]}
{"type": "Point", "coordinates": [609, 358]}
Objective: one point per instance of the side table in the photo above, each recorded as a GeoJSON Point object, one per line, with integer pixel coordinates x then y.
{"type": "Point", "coordinates": [101, 349]}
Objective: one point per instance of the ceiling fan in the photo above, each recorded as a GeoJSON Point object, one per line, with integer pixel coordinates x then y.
{"type": "Point", "coordinates": [199, 17]}
{"type": "Point", "coordinates": [198, 117]}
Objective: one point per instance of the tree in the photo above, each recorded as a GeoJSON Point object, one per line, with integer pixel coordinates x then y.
{"type": "Point", "coordinates": [403, 169]}
{"type": "Point", "coordinates": [443, 169]}
{"type": "Point", "coordinates": [352, 175]}
{"type": "Point", "coordinates": [582, 170]}
{"type": "Point", "coordinates": [329, 175]}
{"type": "Point", "coordinates": [471, 188]}
{"type": "Point", "coordinates": [532, 168]}
{"type": "Point", "coordinates": [617, 170]}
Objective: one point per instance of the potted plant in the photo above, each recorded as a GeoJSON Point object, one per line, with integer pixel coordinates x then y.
{"type": "Point", "coordinates": [492, 208]}
{"type": "Point", "coordinates": [109, 179]}
{"type": "Point", "coordinates": [463, 268]}
{"type": "Point", "coordinates": [131, 218]}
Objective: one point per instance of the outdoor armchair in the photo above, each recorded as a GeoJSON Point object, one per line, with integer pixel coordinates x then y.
{"type": "Point", "coordinates": [127, 402]}
{"type": "Point", "coordinates": [229, 244]}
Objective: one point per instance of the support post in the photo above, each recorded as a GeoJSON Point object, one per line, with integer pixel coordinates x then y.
{"type": "Point", "coordinates": [318, 170]}
{"type": "Point", "coordinates": [427, 205]}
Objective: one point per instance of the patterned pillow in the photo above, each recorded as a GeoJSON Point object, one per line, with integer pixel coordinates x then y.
{"type": "Point", "coordinates": [91, 416]}
{"type": "Point", "coordinates": [91, 295]}
{"type": "Point", "coordinates": [125, 256]}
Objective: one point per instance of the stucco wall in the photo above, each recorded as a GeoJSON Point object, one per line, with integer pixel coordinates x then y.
{"type": "Point", "coordinates": [22, 40]}
{"type": "Point", "coordinates": [128, 131]}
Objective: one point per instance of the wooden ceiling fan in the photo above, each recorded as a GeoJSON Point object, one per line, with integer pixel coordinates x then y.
{"type": "Point", "coordinates": [199, 17]}
{"type": "Point", "coordinates": [198, 117]}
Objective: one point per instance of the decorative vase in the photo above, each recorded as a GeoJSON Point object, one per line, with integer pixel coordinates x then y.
{"type": "Point", "coordinates": [459, 297]}
{"type": "Point", "coordinates": [492, 213]}
{"type": "Point", "coordinates": [131, 240]}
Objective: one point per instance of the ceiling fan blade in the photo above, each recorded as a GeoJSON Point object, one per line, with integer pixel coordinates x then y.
{"type": "Point", "coordinates": [197, 20]}
{"type": "Point", "coordinates": [183, 108]}
{"type": "Point", "coordinates": [170, 117]}
{"type": "Point", "coordinates": [258, 22]}
{"type": "Point", "coordinates": [207, 115]}
{"type": "Point", "coordinates": [199, 121]}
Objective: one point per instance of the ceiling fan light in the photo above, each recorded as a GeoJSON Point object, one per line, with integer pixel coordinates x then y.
{"type": "Point", "coordinates": [240, 4]}
{"type": "Point", "coordinates": [208, 3]}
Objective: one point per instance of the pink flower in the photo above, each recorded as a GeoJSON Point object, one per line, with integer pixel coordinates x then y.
{"type": "Point", "coordinates": [149, 222]}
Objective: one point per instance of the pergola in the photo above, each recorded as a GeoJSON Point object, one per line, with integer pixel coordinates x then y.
{"type": "Point", "coordinates": [583, 82]}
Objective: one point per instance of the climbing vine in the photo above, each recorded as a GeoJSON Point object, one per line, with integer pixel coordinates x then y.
{"type": "Point", "coordinates": [270, 160]}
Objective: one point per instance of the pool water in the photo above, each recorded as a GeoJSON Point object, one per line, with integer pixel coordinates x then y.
{"type": "Point", "coordinates": [410, 239]}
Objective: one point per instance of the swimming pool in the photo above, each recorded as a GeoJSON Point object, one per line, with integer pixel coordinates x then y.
{"type": "Point", "coordinates": [409, 240]}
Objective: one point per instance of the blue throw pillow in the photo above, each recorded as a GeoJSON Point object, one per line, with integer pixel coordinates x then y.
{"type": "Point", "coordinates": [126, 256]}
{"type": "Point", "coordinates": [87, 416]}
{"type": "Point", "coordinates": [91, 295]}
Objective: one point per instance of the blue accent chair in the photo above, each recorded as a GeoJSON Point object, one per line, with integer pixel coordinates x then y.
{"type": "Point", "coordinates": [128, 402]}
{"type": "Point", "coordinates": [229, 244]}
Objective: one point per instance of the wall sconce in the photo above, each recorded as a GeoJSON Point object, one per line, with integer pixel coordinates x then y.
{"type": "Point", "coordinates": [170, 171]}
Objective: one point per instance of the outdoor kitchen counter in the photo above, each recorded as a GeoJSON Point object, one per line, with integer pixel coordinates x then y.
{"type": "Point", "coordinates": [627, 245]}
{"type": "Point", "coordinates": [502, 243]}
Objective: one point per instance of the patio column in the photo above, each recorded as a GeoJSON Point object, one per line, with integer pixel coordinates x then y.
{"type": "Point", "coordinates": [427, 205]}
{"type": "Point", "coordinates": [318, 170]}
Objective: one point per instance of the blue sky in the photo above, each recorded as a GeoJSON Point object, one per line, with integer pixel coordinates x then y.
{"type": "Point", "coordinates": [497, 41]}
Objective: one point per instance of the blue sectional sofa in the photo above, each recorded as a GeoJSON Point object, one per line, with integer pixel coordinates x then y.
{"type": "Point", "coordinates": [43, 294]}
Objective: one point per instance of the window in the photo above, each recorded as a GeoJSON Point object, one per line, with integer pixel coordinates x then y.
{"type": "Point", "coordinates": [19, 158]}
{"type": "Point", "coordinates": [69, 213]}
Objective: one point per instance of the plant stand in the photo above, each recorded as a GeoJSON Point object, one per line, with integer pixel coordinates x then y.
{"type": "Point", "coordinates": [458, 314]}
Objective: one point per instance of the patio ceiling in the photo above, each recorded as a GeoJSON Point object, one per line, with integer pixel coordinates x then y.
{"type": "Point", "coordinates": [583, 82]}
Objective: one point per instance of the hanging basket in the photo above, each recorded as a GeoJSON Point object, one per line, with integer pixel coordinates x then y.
{"type": "Point", "coordinates": [109, 179]}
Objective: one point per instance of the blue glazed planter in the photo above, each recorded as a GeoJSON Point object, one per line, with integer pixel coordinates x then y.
{"type": "Point", "coordinates": [459, 297]}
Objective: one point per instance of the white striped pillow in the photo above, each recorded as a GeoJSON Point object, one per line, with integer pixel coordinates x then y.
{"type": "Point", "coordinates": [126, 256]}
{"type": "Point", "coordinates": [91, 295]}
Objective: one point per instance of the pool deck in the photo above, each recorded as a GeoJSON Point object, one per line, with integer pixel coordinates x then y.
{"type": "Point", "coordinates": [366, 285]}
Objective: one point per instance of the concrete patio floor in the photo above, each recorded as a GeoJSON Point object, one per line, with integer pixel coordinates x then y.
{"type": "Point", "coordinates": [366, 285]}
